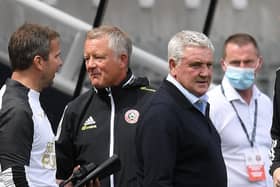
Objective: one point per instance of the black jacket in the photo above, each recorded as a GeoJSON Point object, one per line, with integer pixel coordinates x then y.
{"type": "Point", "coordinates": [177, 146]}
{"type": "Point", "coordinates": [275, 128]}
{"type": "Point", "coordinates": [96, 118]}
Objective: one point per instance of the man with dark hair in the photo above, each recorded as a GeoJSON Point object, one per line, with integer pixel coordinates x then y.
{"type": "Point", "coordinates": [242, 114]}
{"type": "Point", "coordinates": [27, 152]}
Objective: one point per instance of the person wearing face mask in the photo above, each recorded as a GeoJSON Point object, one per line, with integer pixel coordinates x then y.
{"type": "Point", "coordinates": [242, 114]}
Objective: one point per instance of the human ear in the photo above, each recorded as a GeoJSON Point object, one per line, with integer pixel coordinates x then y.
{"type": "Point", "coordinates": [38, 62]}
{"type": "Point", "coordinates": [223, 64]}
{"type": "Point", "coordinates": [124, 60]}
{"type": "Point", "coordinates": [172, 66]}
{"type": "Point", "coordinates": [259, 65]}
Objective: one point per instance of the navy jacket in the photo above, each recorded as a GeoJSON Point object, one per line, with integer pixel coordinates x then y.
{"type": "Point", "coordinates": [177, 145]}
{"type": "Point", "coordinates": [275, 128]}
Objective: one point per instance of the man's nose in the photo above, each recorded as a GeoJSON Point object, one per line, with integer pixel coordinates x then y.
{"type": "Point", "coordinates": [205, 70]}
{"type": "Point", "coordinates": [91, 62]}
{"type": "Point", "coordinates": [242, 64]}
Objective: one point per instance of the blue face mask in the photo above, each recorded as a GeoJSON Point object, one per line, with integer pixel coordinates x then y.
{"type": "Point", "coordinates": [240, 78]}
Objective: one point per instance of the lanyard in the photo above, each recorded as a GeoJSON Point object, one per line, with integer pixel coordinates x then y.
{"type": "Point", "coordinates": [253, 136]}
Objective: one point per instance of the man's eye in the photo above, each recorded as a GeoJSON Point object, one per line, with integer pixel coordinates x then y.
{"type": "Point", "coordinates": [196, 65]}
{"type": "Point", "coordinates": [235, 63]}
{"type": "Point", "coordinates": [99, 57]}
{"type": "Point", "coordinates": [249, 62]}
{"type": "Point", "coordinates": [209, 65]}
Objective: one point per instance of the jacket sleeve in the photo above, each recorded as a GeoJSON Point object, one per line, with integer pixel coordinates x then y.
{"type": "Point", "coordinates": [275, 129]}
{"type": "Point", "coordinates": [64, 146]}
{"type": "Point", "coordinates": [16, 145]}
{"type": "Point", "coordinates": [156, 144]}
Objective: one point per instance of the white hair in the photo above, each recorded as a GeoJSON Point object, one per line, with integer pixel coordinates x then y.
{"type": "Point", "coordinates": [184, 39]}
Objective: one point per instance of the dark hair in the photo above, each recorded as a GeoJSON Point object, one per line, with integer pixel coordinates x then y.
{"type": "Point", "coordinates": [240, 39]}
{"type": "Point", "coordinates": [28, 41]}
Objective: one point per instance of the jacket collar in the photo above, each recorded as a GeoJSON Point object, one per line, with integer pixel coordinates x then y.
{"type": "Point", "coordinates": [129, 80]}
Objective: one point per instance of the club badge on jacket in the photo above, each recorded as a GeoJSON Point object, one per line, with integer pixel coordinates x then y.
{"type": "Point", "coordinates": [131, 116]}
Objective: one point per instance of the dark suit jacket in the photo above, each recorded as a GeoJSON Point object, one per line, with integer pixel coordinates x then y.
{"type": "Point", "coordinates": [177, 145]}
{"type": "Point", "coordinates": [275, 128]}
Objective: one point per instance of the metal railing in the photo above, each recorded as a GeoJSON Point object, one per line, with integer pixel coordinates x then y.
{"type": "Point", "coordinates": [72, 32]}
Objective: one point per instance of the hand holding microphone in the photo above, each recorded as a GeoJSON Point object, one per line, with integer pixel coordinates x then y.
{"type": "Point", "coordinates": [91, 172]}
{"type": "Point", "coordinates": [79, 174]}
{"type": "Point", "coordinates": [108, 167]}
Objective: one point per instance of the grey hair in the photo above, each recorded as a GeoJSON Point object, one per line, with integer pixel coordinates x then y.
{"type": "Point", "coordinates": [184, 39]}
{"type": "Point", "coordinates": [119, 41]}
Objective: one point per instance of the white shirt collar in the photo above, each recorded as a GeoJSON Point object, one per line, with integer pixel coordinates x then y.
{"type": "Point", "coordinates": [192, 98]}
{"type": "Point", "coordinates": [34, 94]}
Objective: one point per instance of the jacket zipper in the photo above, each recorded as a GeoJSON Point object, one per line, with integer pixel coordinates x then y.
{"type": "Point", "coordinates": [112, 125]}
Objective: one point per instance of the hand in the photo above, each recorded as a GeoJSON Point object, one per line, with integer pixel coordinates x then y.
{"type": "Point", "coordinates": [58, 181]}
{"type": "Point", "coordinates": [276, 177]}
{"type": "Point", "coordinates": [90, 184]}
{"type": "Point", "coordinates": [68, 182]}
{"type": "Point", "coordinates": [93, 184]}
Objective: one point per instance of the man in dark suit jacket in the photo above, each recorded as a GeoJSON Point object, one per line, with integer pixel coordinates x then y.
{"type": "Point", "coordinates": [275, 133]}
{"type": "Point", "coordinates": [176, 143]}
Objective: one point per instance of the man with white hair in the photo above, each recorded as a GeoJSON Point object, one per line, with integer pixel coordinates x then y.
{"type": "Point", "coordinates": [176, 143]}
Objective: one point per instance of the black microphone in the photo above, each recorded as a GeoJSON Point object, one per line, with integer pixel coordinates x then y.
{"type": "Point", "coordinates": [79, 174]}
{"type": "Point", "coordinates": [83, 171]}
{"type": "Point", "coordinates": [108, 167]}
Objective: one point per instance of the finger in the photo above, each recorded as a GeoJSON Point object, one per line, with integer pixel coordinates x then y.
{"type": "Point", "coordinates": [76, 168]}
{"type": "Point", "coordinates": [97, 182]}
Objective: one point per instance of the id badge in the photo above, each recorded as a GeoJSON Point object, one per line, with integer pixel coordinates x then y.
{"type": "Point", "coordinates": [255, 166]}
{"type": "Point", "coordinates": [48, 158]}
